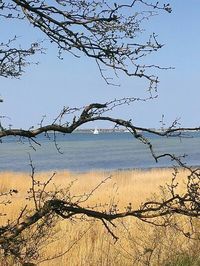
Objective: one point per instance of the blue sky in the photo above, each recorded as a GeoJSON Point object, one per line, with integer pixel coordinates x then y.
{"type": "Point", "coordinates": [45, 88]}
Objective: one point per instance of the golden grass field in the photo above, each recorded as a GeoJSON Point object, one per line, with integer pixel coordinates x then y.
{"type": "Point", "coordinates": [87, 242]}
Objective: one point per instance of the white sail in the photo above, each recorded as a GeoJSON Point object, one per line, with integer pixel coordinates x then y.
{"type": "Point", "coordinates": [96, 131]}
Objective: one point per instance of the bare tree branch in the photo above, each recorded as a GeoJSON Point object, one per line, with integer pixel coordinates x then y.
{"type": "Point", "coordinates": [13, 60]}
{"type": "Point", "coordinates": [106, 32]}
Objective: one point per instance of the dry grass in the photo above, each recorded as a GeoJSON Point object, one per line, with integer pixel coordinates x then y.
{"type": "Point", "coordinates": [138, 243]}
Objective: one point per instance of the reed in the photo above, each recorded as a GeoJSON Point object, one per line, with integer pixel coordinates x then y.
{"type": "Point", "coordinates": [87, 242]}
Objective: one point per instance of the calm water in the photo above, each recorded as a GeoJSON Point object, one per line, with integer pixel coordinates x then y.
{"type": "Point", "coordinates": [83, 152]}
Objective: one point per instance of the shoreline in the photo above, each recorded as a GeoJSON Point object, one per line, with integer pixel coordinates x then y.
{"type": "Point", "coordinates": [147, 169]}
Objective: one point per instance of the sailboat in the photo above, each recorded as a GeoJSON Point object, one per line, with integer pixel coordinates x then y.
{"type": "Point", "coordinates": [96, 131]}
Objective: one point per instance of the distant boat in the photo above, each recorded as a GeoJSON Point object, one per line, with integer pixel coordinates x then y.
{"type": "Point", "coordinates": [96, 131]}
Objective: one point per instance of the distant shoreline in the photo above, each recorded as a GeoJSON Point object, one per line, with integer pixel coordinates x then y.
{"type": "Point", "coordinates": [121, 130]}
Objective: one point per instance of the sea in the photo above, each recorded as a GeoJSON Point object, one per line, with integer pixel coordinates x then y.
{"type": "Point", "coordinates": [86, 152]}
